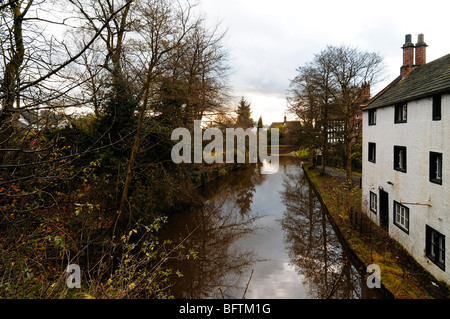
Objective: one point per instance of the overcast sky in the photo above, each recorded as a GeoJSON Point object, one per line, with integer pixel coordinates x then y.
{"type": "Point", "coordinates": [269, 39]}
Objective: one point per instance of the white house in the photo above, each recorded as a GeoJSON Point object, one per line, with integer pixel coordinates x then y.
{"type": "Point", "coordinates": [406, 158]}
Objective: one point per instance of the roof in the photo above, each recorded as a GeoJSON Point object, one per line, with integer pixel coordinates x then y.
{"type": "Point", "coordinates": [291, 125]}
{"type": "Point", "coordinates": [422, 81]}
{"type": "Point", "coordinates": [275, 124]}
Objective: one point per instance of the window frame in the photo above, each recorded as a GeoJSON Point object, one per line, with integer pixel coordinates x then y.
{"type": "Point", "coordinates": [398, 209]}
{"type": "Point", "coordinates": [431, 246]}
{"type": "Point", "coordinates": [372, 117]}
{"type": "Point", "coordinates": [437, 107]}
{"type": "Point", "coordinates": [397, 161]}
{"type": "Point", "coordinates": [402, 110]}
{"type": "Point", "coordinates": [373, 199]}
{"type": "Point", "coordinates": [433, 168]}
{"type": "Point", "coordinates": [372, 152]}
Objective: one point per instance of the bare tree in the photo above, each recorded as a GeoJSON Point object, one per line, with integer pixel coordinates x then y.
{"type": "Point", "coordinates": [331, 87]}
{"type": "Point", "coordinates": [351, 71]}
{"type": "Point", "coordinates": [162, 28]}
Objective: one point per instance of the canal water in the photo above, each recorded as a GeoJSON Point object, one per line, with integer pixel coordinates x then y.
{"type": "Point", "coordinates": [263, 236]}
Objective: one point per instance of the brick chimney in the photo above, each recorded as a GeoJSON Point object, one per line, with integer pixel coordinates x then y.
{"type": "Point", "coordinates": [421, 50]}
{"type": "Point", "coordinates": [408, 56]}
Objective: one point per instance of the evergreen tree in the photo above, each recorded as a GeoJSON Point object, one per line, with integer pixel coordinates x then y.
{"type": "Point", "coordinates": [260, 122]}
{"type": "Point", "coordinates": [118, 112]}
{"type": "Point", "coordinates": [244, 118]}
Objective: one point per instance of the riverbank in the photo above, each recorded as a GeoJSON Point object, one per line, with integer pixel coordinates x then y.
{"type": "Point", "coordinates": [401, 276]}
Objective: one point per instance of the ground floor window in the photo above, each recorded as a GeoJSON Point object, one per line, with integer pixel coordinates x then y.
{"type": "Point", "coordinates": [435, 247]}
{"type": "Point", "coordinates": [401, 216]}
{"type": "Point", "coordinates": [373, 202]}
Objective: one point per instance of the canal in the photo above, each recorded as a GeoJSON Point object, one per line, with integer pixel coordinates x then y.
{"type": "Point", "coordinates": [263, 236]}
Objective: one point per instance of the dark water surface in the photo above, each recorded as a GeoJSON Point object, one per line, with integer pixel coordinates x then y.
{"type": "Point", "coordinates": [263, 236]}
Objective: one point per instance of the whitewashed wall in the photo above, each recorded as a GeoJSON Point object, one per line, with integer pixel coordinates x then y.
{"type": "Point", "coordinates": [421, 135]}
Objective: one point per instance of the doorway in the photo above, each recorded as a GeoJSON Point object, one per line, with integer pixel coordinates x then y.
{"type": "Point", "coordinates": [384, 209]}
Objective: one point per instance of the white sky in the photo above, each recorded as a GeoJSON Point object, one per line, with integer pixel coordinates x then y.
{"type": "Point", "coordinates": [269, 39]}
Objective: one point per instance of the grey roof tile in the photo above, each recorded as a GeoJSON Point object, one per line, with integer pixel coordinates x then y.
{"type": "Point", "coordinates": [422, 81]}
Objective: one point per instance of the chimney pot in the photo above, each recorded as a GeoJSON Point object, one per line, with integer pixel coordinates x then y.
{"type": "Point", "coordinates": [408, 56]}
{"type": "Point", "coordinates": [420, 38]}
{"type": "Point", "coordinates": [421, 50]}
{"type": "Point", "coordinates": [407, 39]}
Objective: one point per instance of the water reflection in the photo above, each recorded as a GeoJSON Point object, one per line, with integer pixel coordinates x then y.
{"type": "Point", "coordinates": [267, 228]}
{"type": "Point", "coordinates": [225, 218]}
{"type": "Point", "coordinates": [313, 246]}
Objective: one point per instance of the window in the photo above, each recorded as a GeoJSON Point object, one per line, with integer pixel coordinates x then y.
{"type": "Point", "coordinates": [400, 158]}
{"type": "Point", "coordinates": [435, 247]}
{"type": "Point", "coordinates": [437, 101]}
{"type": "Point", "coordinates": [400, 113]}
{"type": "Point", "coordinates": [373, 202]}
{"type": "Point", "coordinates": [401, 216]}
{"type": "Point", "coordinates": [372, 152]}
{"type": "Point", "coordinates": [372, 117]}
{"type": "Point", "coordinates": [436, 168]}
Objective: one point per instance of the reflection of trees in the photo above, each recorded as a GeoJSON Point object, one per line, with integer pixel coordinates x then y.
{"type": "Point", "coordinates": [312, 244]}
{"type": "Point", "coordinates": [240, 186]}
{"type": "Point", "coordinates": [223, 219]}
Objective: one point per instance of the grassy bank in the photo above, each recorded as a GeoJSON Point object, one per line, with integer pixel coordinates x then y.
{"type": "Point", "coordinates": [401, 275]}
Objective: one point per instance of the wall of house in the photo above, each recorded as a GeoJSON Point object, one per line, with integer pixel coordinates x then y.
{"type": "Point", "coordinates": [420, 134]}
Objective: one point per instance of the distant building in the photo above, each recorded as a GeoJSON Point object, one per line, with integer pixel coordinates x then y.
{"type": "Point", "coordinates": [406, 152]}
{"type": "Point", "coordinates": [336, 124]}
{"type": "Point", "coordinates": [292, 131]}
{"type": "Point", "coordinates": [40, 119]}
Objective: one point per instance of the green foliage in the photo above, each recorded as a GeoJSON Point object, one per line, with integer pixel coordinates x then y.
{"type": "Point", "coordinates": [302, 153]}
{"type": "Point", "coordinates": [118, 113]}
{"type": "Point", "coordinates": [140, 271]}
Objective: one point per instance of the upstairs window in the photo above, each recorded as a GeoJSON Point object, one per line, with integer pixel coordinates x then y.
{"type": "Point", "coordinates": [372, 152]}
{"type": "Point", "coordinates": [400, 158]}
{"type": "Point", "coordinates": [372, 117]}
{"type": "Point", "coordinates": [435, 247]}
{"type": "Point", "coordinates": [437, 102]}
{"type": "Point", "coordinates": [436, 167]}
{"type": "Point", "coordinates": [401, 111]}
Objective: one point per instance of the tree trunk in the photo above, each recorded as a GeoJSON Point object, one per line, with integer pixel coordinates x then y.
{"type": "Point", "coordinates": [136, 145]}
{"type": "Point", "coordinates": [10, 79]}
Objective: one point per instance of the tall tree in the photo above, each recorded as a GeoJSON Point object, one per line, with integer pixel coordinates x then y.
{"type": "Point", "coordinates": [244, 119]}
{"type": "Point", "coordinates": [351, 71]}
{"type": "Point", "coordinates": [260, 122]}
{"type": "Point", "coordinates": [331, 87]}
{"type": "Point", "coordinates": [310, 101]}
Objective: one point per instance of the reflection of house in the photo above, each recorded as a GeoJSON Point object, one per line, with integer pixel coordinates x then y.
{"type": "Point", "coordinates": [292, 130]}
{"type": "Point", "coordinates": [406, 151]}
